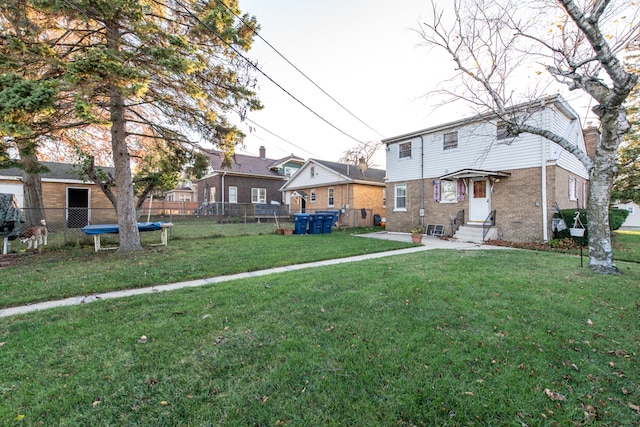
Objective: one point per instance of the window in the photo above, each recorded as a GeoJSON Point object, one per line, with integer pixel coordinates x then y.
{"type": "Point", "coordinates": [400, 200]}
{"type": "Point", "coordinates": [450, 141]}
{"type": "Point", "coordinates": [312, 171]}
{"type": "Point", "coordinates": [330, 198]}
{"type": "Point", "coordinates": [631, 209]}
{"type": "Point", "coordinates": [233, 194]}
{"type": "Point", "coordinates": [573, 188]}
{"type": "Point", "coordinates": [212, 194]}
{"type": "Point", "coordinates": [405, 150]}
{"type": "Point", "coordinates": [258, 195]}
{"type": "Point", "coordinates": [288, 171]}
{"type": "Point", "coordinates": [449, 191]}
{"type": "Point", "coordinates": [312, 196]}
{"type": "Point", "coordinates": [384, 197]}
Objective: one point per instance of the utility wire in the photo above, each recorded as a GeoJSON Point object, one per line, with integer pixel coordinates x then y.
{"type": "Point", "coordinates": [262, 72]}
{"type": "Point", "coordinates": [298, 70]}
{"type": "Point", "coordinates": [279, 137]}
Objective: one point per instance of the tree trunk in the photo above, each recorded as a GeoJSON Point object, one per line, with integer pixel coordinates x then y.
{"type": "Point", "coordinates": [127, 216]}
{"type": "Point", "coordinates": [33, 204]}
{"type": "Point", "coordinates": [600, 184]}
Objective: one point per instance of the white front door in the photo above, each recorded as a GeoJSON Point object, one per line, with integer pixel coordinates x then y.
{"type": "Point", "coordinates": [480, 200]}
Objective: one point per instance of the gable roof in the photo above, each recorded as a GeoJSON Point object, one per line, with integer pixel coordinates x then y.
{"type": "Point", "coordinates": [57, 172]}
{"type": "Point", "coordinates": [245, 165]}
{"type": "Point", "coordinates": [352, 172]}
{"type": "Point", "coordinates": [281, 162]}
{"type": "Point", "coordinates": [537, 104]}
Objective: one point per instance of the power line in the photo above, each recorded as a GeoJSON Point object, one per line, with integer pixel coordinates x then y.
{"type": "Point", "coordinates": [263, 73]}
{"type": "Point", "coordinates": [279, 137]}
{"type": "Point", "coordinates": [298, 70]}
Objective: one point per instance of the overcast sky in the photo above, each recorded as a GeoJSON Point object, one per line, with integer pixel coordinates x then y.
{"type": "Point", "coordinates": [364, 53]}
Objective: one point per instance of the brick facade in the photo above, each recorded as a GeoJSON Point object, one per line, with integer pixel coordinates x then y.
{"type": "Point", "coordinates": [517, 200]}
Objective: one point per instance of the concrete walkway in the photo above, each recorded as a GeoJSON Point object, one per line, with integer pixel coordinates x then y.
{"type": "Point", "coordinates": [428, 242]}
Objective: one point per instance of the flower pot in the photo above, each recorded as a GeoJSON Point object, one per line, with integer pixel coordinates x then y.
{"type": "Point", "coordinates": [576, 232]}
{"type": "Point", "coordinates": [288, 231]}
{"type": "Point", "coordinates": [416, 237]}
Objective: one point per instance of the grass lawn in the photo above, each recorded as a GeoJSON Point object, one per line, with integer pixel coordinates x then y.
{"type": "Point", "coordinates": [71, 271]}
{"type": "Point", "coordinates": [447, 338]}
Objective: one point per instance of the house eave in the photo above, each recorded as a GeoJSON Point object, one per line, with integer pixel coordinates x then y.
{"type": "Point", "coordinates": [474, 173]}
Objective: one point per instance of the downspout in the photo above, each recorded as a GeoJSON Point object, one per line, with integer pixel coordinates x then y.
{"type": "Point", "coordinates": [545, 231]}
{"type": "Point", "coordinates": [422, 180]}
{"type": "Point", "coordinates": [222, 196]}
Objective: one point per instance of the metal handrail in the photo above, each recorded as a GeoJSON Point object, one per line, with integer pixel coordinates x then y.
{"type": "Point", "coordinates": [489, 222]}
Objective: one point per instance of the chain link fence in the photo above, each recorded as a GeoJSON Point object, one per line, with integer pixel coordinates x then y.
{"type": "Point", "coordinates": [64, 225]}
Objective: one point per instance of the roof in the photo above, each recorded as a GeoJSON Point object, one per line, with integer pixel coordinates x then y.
{"type": "Point", "coordinates": [280, 162]}
{"type": "Point", "coordinates": [57, 171]}
{"type": "Point", "coordinates": [352, 171]}
{"type": "Point", "coordinates": [243, 164]}
{"type": "Point", "coordinates": [538, 103]}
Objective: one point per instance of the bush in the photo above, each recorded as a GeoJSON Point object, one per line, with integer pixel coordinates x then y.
{"type": "Point", "coordinates": [616, 218]}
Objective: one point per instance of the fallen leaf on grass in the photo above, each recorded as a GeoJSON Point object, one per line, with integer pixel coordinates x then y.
{"type": "Point", "coordinates": [164, 403]}
{"type": "Point", "coordinates": [142, 340]}
{"type": "Point", "coordinates": [634, 407]}
{"type": "Point", "coordinates": [589, 322]}
{"type": "Point", "coordinates": [330, 329]}
{"type": "Point", "coordinates": [554, 395]}
{"type": "Point", "coordinates": [1, 344]}
{"type": "Point", "coordinates": [20, 417]}
{"type": "Point", "coordinates": [95, 403]}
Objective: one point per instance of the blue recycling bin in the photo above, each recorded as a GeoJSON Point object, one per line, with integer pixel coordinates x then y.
{"type": "Point", "coordinates": [334, 212]}
{"type": "Point", "coordinates": [327, 223]}
{"type": "Point", "coordinates": [300, 223]}
{"type": "Point", "coordinates": [315, 223]}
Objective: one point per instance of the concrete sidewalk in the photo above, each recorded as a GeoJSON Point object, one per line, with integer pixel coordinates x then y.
{"type": "Point", "coordinates": [428, 243]}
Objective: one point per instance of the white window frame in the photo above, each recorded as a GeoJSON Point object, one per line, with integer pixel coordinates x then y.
{"type": "Point", "coordinates": [404, 150]}
{"type": "Point", "coordinates": [312, 171]}
{"type": "Point", "coordinates": [448, 191]}
{"type": "Point", "coordinates": [452, 144]}
{"type": "Point", "coordinates": [400, 188]}
{"type": "Point", "coordinates": [258, 195]}
{"type": "Point", "coordinates": [312, 196]}
{"type": "Point", "coordinates": [330, 197]}
{"type": "Point", "coordinates": [573, 188]}
{"type": "Point", "coordinates": [212, 194]}
{"type": "Point", "coordinates": [233, 194]}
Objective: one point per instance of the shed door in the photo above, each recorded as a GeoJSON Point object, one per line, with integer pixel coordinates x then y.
{"type": "Point", "coordinates": [77, 207]}
{"type": "Point", "coordinates": [480, 201]}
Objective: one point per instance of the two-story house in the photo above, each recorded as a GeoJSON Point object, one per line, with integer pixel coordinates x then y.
{"type": "Point", "coordinates": [472, 171]}
{"type": "Point", "coordinates": [247, 180]}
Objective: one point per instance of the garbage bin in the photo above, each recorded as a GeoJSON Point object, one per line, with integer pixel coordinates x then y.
{"type": "Point", "coordinates": [315, 223]}
{"type": "Point", "coordinates": [327, 223]}
{"type": "Point", "coordinates": [334, 212]}
{"type": "Point", "coordinates": [300, 223]}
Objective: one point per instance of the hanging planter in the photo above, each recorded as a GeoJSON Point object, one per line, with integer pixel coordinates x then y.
{"type": "Point", "coordinates": [578, 228]}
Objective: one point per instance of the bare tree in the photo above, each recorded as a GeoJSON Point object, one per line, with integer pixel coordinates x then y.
{"type": "Point", "coordinates": [362, 153]}
{"type": "Point", "coordinates": [492, 42]}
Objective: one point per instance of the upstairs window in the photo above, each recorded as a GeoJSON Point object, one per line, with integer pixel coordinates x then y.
{"type": "Point", "coordinates": [312, 171]}
{"type": "Point", "coordinates": [450, 141]}
{"type": "Point", "coordinates": [405, 150]}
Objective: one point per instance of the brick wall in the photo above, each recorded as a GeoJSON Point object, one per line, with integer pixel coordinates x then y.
{"type": "Point", "coordinates": [517, 200]}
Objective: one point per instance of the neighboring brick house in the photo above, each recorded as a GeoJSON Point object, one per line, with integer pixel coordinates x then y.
{"type": "Point", "coordinates": [247, 180]}
{"type": "Point", "coordinates": [66, 198]}
{"type": "Point", "coordinates": [358, 193]}
{"type": "Point", "coordinates": [471, 168]}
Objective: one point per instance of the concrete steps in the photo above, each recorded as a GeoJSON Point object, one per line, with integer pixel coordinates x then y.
{"type": "Point", "coordinates": [471, 233]}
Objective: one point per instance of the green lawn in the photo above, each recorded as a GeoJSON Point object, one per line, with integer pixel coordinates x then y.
{"type": "Point", "coordinates": [447, 338]}
{"type": "Point", "coordinates": [71, 271]}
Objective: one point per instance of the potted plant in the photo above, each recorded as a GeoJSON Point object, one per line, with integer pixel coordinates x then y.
{"type": "Point", "coordinates": [417, 233]}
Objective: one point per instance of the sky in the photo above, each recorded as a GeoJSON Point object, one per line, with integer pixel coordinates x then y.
{"type": "Point", "coordinates": [366, 54]}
